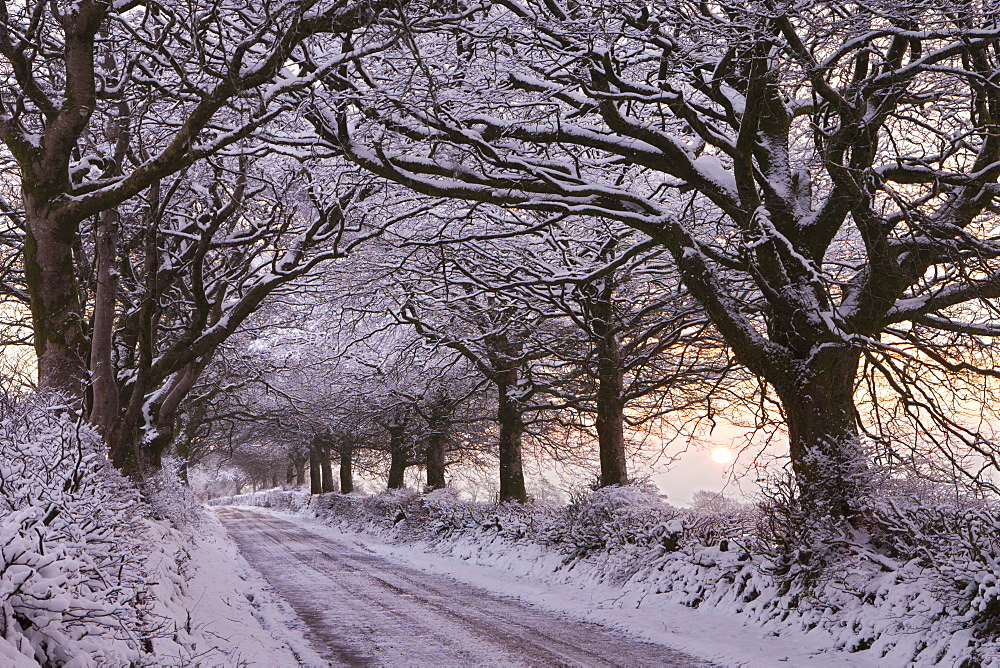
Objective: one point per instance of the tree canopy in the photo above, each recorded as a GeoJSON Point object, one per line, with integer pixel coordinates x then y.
{"type": "Point", "coordinates": [634, 194]}
{"type": "Point", "coordinates": [823, 175]}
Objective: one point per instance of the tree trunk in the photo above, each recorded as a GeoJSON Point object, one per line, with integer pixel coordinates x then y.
{"type": "Point", "coordinates": [610, 427]}
{"type": "Point", "coordinates": [437, 444]}
{"type": "Point", "coordinates": [126, 454]}
{"type": "Point", "coordinates": [147, 430]}
{"type": "Point", "coordinates": [346, 474]}
{"type": "Point", "coordinates": [830, 466]}
{"type": "Point", "coordinates": [125, 451]}
{"type": "Point", "coordinates": [610, 404]}
{"type": "Point", "coordinates": [399, 456]}
{"type": "Point", "coordinates": [289, 473]}
{"type": "Point", "coordinates": [60, 331]}
{"type": "Point", "coordinates": [397, 470]}
{"type": "Point", "coordinates": [300, 471]}
{"type": "Point", "coordinates": [59, 328]}
{"type": "Point", "coordinates": [315, 476]}
{"type": "Point", "coordinates": [511, 426]}
{"type": "Point", "coordinates": [326, 467]}
{"type": "Point", "coordinates": [105, 406]}
{"type": "Point", "coordinates": [182, 450]}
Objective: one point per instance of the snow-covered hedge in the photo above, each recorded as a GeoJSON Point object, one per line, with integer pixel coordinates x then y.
{"type": "Point", "coordinates": [72, 587]}
{"type": "Point", "coordinates": [92, 574]}
{"type": "Point", "coordinates": [919, 588]}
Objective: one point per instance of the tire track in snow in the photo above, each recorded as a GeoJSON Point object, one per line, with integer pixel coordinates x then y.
{"type": "Point", "coordinates": [362, 610]}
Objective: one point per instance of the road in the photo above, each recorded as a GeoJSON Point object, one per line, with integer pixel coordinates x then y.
{"type": "Point", "coordinates": [362, 610]}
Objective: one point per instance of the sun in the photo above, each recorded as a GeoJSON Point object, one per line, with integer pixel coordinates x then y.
{"type": "Point", "coordinates": [722, 455]}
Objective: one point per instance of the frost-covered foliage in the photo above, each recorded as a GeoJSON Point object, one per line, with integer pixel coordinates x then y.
{"type": "Point", "coordinates": [72, 585]}
{"type": "Point", "coordinates": [919, 586]}
{"type": "Point", "coordinates": [170, 498]}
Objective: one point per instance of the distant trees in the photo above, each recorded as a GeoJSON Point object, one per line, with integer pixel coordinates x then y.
{"type": "Point", "coordinates": [624, 345]}
{"type": "Point", "coordinates": [354, 392]}
{"type": "Point", "coordinates": [494, 334]}
{"type": "Point", "coordinates": [714, 502]}
{"type": "Point", "coordinates": [822, 175]}
{"type": "Point", "coordinates": [188, 275]}
{"type": "Point", "coordinates": [607, 338]}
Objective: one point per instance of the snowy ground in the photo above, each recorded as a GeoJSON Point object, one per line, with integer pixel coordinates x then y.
{"type": "Point", "coordinates": [720, 638]}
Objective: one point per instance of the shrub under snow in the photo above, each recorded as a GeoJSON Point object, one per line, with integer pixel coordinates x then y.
{"type": "Point", "coordinates": [170, 498]}
{"type": "Point", "coordinates": [72, 587]}
{"type": "Point", "coordinates": [919, 588]}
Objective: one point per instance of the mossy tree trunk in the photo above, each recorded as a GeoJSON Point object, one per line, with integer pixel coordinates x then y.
{"type": "Point", "coordinates": [323, 445]}
{"type": "Point", "coordinates": [511, 424]}
{"type": "Point", "coordinates": [610, 389]}
{"type": "Point", "coordinates": [437, 447]}
{"type": "Point", "coordinates": [399, 453]}
{"type": "Point", "coordinates": [346, 472]}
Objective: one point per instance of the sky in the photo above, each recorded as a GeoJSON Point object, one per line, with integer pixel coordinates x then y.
{"type": "Point", "coordinates": [716, 463]}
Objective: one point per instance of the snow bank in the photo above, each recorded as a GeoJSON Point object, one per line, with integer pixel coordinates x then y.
{"type": "Point", "coordinates": [921, 589]}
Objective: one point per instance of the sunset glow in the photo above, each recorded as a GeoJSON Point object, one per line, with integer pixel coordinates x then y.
{"type": "Point", "coordinates": [722, 455]}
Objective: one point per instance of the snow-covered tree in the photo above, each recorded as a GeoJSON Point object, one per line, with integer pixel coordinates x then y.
{"type": "Point", "coordinates": [625, 346]}
{"type": "Point", "coordinates": [102, 101]}
{"type": "Point", "coordinates": [822, 174]}
{"type": "Point", "coordinates": [494, 332]}
{"type": "Point", "coordinates": [194, 258]}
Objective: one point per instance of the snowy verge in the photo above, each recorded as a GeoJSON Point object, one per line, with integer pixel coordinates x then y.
{"type": "Point", "coordinates": [699, 581]}
{"type": "Point", "coordinates": [222, 612]}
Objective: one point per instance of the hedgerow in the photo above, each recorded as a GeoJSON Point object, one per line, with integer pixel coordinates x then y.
{"type": "Point", "coordinates": [917, 584]}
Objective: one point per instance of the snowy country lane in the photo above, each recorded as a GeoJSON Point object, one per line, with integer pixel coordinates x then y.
{"type": "Point", "coordinates": [362, 610]}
